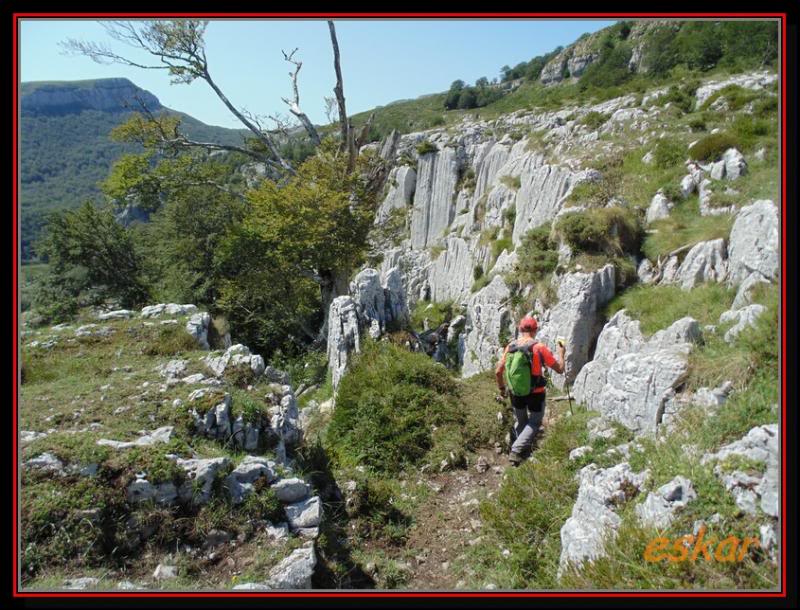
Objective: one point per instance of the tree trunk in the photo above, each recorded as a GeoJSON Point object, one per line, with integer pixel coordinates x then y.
{"type": "Point", "coordinates": [332, 285]}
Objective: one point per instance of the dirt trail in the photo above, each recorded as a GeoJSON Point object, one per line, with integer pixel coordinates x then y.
{"type": "Point", "coordinates": [449, 522]}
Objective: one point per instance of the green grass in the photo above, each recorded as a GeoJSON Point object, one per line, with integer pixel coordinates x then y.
{"type": "Point", "coordinates": [657, 307]}
{"type": "Point", "coordinates": [684, 226]}
{"type": "Point", "coordinates": [526, 515]}
{"type": "Point", "coordinates": [437, 313]}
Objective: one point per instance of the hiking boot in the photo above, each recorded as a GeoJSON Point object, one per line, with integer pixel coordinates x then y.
{"type": "Point", "coordinates": [515, 458]}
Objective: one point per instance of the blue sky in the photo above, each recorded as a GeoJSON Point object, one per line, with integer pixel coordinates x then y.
{"type": "Point", "coordinates": [382, 61]}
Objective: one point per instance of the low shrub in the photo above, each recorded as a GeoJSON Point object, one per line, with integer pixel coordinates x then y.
{"type": "Point", "coordinates": [697, 123]}
{"type": "Point", "coordinates": [512, 182]}
{"type": "Point", "coordinates": [425, 147]}
{"type": "Point", "coordinates": [170, 341]}
{"type": "Point", "coordinates": [386, 407]}
{"type": "Point", "coordinates": [594, 119]}
{"type": "Point", "coordinates": [437, 313]}
{"type": "Point", "coordinates": [711, 147]}
{"type": "Point", "coordinates": [536, 255]}
{"type": "Point", "coordinates": [613, 231]}
{"type": "Point", "coordinates": [668, 153]}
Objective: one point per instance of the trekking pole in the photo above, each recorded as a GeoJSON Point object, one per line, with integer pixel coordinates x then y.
{"type": "Point", "coordinates": [561, 341]}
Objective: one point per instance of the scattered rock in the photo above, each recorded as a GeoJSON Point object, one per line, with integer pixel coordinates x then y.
{"type": "Point", "coordinates": [295, 571]}
{"type": "Point", "coordinates": [291, 490]}
{"type": "Point", "coordinates": [80, 584]}
{"type": "Point", "coordinates": [659, 507]}
{"type": "Point", "coordinates": [165, 572]}
{"type": "Point", "coordinates": [743, 318]}
{"type": "Point", "coordinates": [307, 513]}
{"type": "Point", "coordinates": [593, 517]}
{"type": "Point", "coordinates": [119, 314]}
{"type": "Point", "coordinates": [160, 435]}
{"type": "Point", "coordinates": [197, 327]}
{"type": "Point", "coordinates": [754, 243]}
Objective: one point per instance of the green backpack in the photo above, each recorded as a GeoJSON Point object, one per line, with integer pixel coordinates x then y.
{"type": "Point", "coordinates": [519, 378]}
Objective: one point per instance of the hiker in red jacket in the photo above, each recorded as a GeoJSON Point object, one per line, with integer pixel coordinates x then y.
{"type": "Point", "coordinates": [528, 408]}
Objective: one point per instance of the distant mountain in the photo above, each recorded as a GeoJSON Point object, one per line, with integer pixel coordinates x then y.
{"type": "Point", "coordinates": [65, 149]}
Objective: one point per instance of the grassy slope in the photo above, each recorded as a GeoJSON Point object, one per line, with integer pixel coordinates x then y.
{"type": "Point", "coordinates": [85, 389]}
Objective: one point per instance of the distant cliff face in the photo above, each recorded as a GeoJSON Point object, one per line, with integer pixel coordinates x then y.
{"type": "Point", "coordinates": [108, 95]}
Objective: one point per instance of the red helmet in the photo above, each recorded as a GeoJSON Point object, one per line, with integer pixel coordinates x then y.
{"type": "Point", "coordinates": [529, 324]}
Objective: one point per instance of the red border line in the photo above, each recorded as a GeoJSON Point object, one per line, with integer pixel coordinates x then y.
{"type": "Point", "coordinates": [15, 204]}
{"type": "Point", "coordinates": [395, 15]}
{"type": "Point", "coordinates": [354, 592]}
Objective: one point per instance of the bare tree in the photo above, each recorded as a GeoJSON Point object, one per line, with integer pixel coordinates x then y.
{"type": "Point", "coordinates": [178, 47]}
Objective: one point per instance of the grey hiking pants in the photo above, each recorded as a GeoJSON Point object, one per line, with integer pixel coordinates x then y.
{"type": "Point", "coordinates": [529, 413]}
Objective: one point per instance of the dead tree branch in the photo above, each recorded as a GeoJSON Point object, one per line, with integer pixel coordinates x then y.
{"type": "Point", "coordinates": [294, 103]}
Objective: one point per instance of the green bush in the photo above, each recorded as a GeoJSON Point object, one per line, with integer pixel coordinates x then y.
{"type": "Point", "coordinates": [611, 231]}
{"type": "Point", "coordinates": [593, 120]}
{"type": "Point", "coordinates": [170, 341]}
{"type": "Point", "coordinates": [425, 147]}
{"type": "Point", "coordinates": [437, 313]}
{"type": "Point", "coordinates": [512, 182]}
{"type": "Point", "coordinates": [697, 123]}
{"type": "Point", "coordinates": [501, 244]}
{"type": "Point", "coordinates": [668, 153]}
{"type": "Point", "coordinates": [386, 406]}
{"type": "Point", "coordinates": [712, 146]}
{"type": "Point", "coordinates": [537, 256]}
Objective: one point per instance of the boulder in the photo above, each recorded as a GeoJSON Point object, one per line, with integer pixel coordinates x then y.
{"type": "Point", "coordinates": [291, 490]}
{"type": "Point", "coordinates": [46, 462]}
{"type": "Point", "coordinates": [659, 507]}
{"type": "Point", "coordinates": [197, 327]}
{"type": "Point", "coordinates": [579, 452]}
{"type": "Point", "coordinates": [295, 571]}
{"type": "Point", "coordinates": [578, 317]}
{"type": "Point", "coordinates": [118, 314]}
{"type": "Point", "coordinates": [705, 262]}
{"type": "Point", "coordinates": [235, 356]}
{"type": "Point", "coordinates": [659, 208]}
{"type": "Point", "coordinates": [173, 368]}
{"type": "Point", "coordinates": [28, 436]}
{"type": "Point", "coordinates": [142, 490]}
{"type": "Point", "coordinates": [80, 584]}
{"type": "Point", "coordinates": [306, 513]}
{"type": "Point", "coordinates": [744, 294]}
{"type": "Point", "coordinates": [239, 482]}
{"type": "Point", "coordinates": [170, 309]}
{"type": "Point", "coordinates": [630, 379]}
{"type": "Point", "coordinates": [594, 518]}
{"type": "Point", "coordinates": [200, 475]}
{"type": "Point", "coordinates": [487, 319]}
{"type": "Point", "coordinates": [754, 243]}
{"type": "Point", "coordinates": [165, 572]}
{"type": "Point", "coordinates": [742, 318]}
{"type": "Point", "coordinates": [646, 272]}
{"type": "Point", "coordinates": [735, 165]}
{"type": "Point", "coordinates": [760, 444]}
{"type": "Point", "coordinates": [159, 435]}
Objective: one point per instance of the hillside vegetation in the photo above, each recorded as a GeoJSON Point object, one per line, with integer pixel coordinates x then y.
{"type": "Point", "coordinates": [631, 206]}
